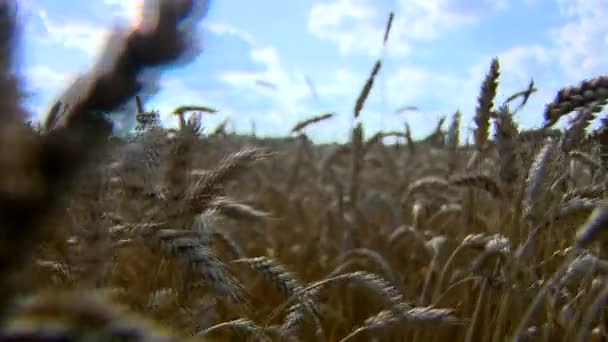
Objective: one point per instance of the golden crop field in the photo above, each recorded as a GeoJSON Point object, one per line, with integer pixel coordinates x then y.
{"type": "Point", "coordinates": [197, 233]}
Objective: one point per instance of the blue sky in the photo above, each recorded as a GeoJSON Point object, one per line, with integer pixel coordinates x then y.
{"type": "Point", "coordinates": [436, 57]}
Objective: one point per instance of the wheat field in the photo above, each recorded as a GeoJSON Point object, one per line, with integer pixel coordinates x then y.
{"type": "Point", "coordinates": [202, 234]}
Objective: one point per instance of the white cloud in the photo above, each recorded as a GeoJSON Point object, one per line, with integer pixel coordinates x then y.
{"type": "Point", "coordinates": [577, 49]}
{"type": "Point", "coordinates": [582, 43]}
{"type": "Point", "coordinates": [290, 89]}
{"type": "Point", "coordinates": [357, 25]}
{"type": "Point", "coordinates": [339, 83]}
{"type": "Point", "coordinates": [222, 29]}
{"type": "Point", "coordinates": [46, 83]}
{"type": "Point", "coordinates": [352, 24]}
{"type": "Point", "coordinates": [73, 33]}
{"type": "Point", "coordinates": [82, 35]}
{"type": "Point", "coordinates": [439, 93]}
{"type": "Point", "coordinates": [292, 99]}
{"type": "Point", "coordinates": [413, 82]}
{"type": "Point", "coordinates": [434, 93]}
{"type": "Point", "coordinates": [274, 72]}
{"type": "Point", "coordinates": [520, 61]}
{"type": "Point", "coordinates": [43, 76]}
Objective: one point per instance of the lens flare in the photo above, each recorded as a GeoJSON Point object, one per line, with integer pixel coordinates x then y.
{"type": "Point", "coordinates": [137, 15]}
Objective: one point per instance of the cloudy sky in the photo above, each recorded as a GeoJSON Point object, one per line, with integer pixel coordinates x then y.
{"type": "Point", "coordinates": [436, 57]}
